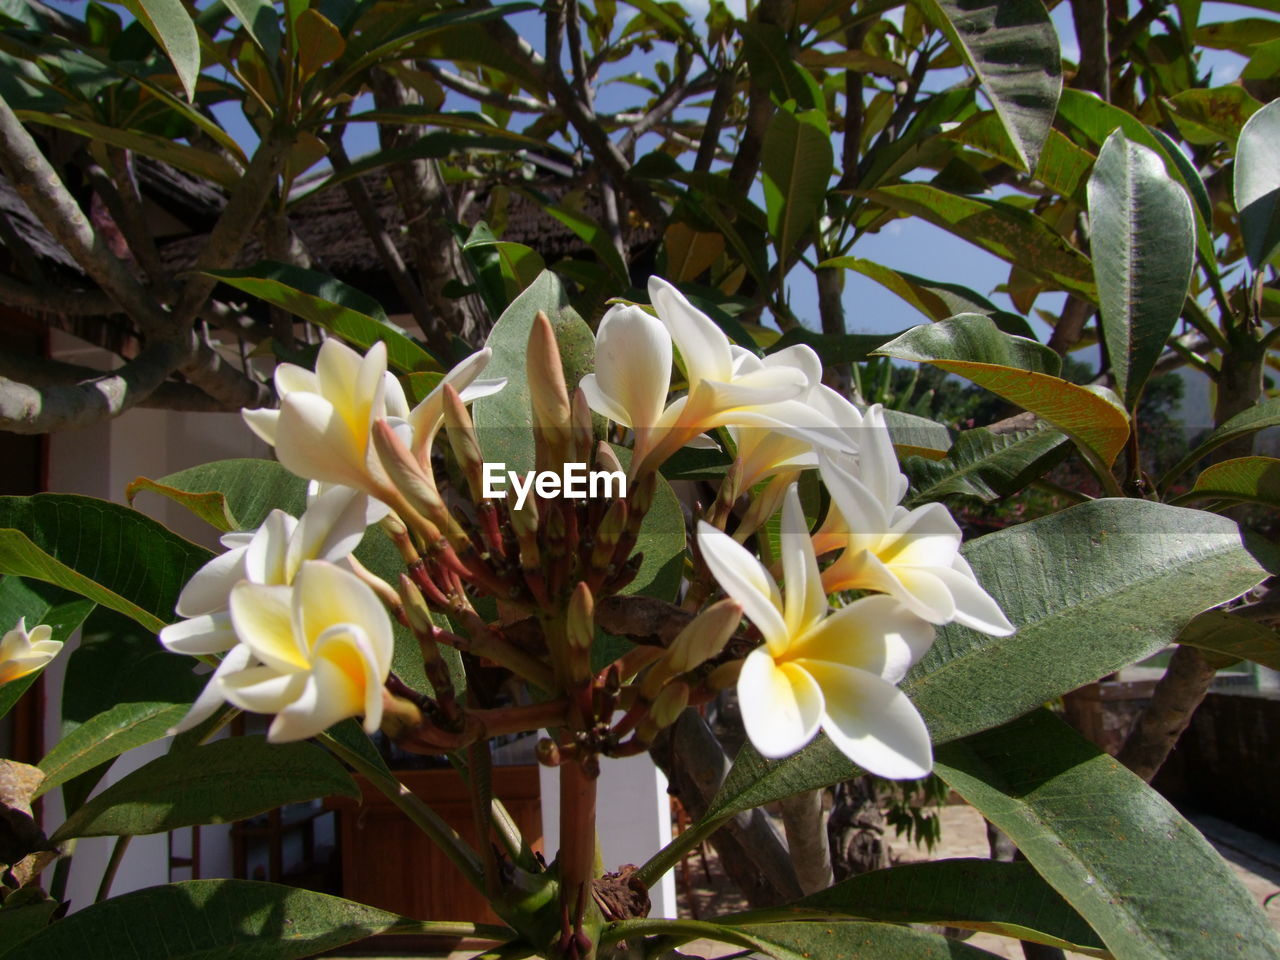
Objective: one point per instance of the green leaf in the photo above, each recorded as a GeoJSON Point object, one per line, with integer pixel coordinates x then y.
{"type": "Point", "coordinates": [796, 161]}
{"type": "Point", "coordinates": [987, 465]}
{"type": "Point", "coordinates": [220, 920]}
{"type": "Point", "coordinates": [1237, 35]}
{"type": "Point", "coordinates": [1014, 235]}
{"type": "Point", "coordinates": [329, 303]}
{"type": "Point", "coordinates": [319, 42]}
{"type": "Point", "coordinates": [1233, 636]}
{"type": "Point", "coordinates": [503, 268]}
{"type": "Point", "coordinates": [765, 47]}
{"type": "Point", "coordinates": [170, 24]}
{"type": "Point", "coordinates": [230, 494]}
{"type": "Point", "coordinates": [972, 338]}
{"type": "Point", "coordinates": [1009, 899]}
{"type": "Point", "coordinates": [100, 550]}
{"type": "Point", "coordinates": [915, 436]}
{"type": "Point", "coordinates": [1210, 117]}
{"type": "Point", "coordinates": [1245, 479]}
{"type": "Point", "coordinates": [18, 921]}
{"type": "Point", "coordinates": [261, 22]}
{"type": "Point", "coordinates": [937, 301]}
{"type": "Point", "coordinates": [1142, 235]}
{"type": "Point", "coordinates": [38, 603]}
{"type": "Point", "coordinates": [504, 421]}
{"type": "Point", "coordinates": [202, 163]}
{"type": "Point", "coordinates": [806, 940]}
{"type": "Point", "coordinates": [590, 233]}
{"type": "Point", "coordinates": [1012, 47]}
{"type": "Point", "coordinates": [1258, 417]}
{"type": "Point", "coordinates": [1144, 878]}
{"type": "Point", "coordinates": [216, 783]}
{"type": "Point", "coordinates": [1128, 576]}
{"type": "Point", "coordinates": [1257, 184]}
{"type": "Point", "coordinates": [106, 736]}
{"type": "Point", "coordinates": [1089, 415]}
{"type": "Point", "coordinates": [1063, 166]}
{"type": "Point", "coordinates": [662, 540]}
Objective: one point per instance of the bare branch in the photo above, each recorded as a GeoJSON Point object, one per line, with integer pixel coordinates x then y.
{"type": "Point", "coordinates": [28, 409]}
{"type": "Point", "coordinates": [479, 92]}
{"type": "Point", "coordinates": [226, 384]}
{"type": "Point", "coordinates": [70, 303]}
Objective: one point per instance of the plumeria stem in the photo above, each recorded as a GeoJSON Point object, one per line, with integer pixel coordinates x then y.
{"type": "Point", "coordinates": [665, 859]}
{"type": "Point", "coordinates": [426, 819]}
{"type": "Point", "coordinates": [113, 867]}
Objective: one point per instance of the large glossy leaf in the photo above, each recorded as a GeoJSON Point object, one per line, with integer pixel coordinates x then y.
{"type": "Point", "coordinates": [220, 920]}
{"type": "Point", "coordinates": [937, 301]}
{"type": "Point", "coordinates": [1257, 184]}
{"type": "Point", "coordinates": [915, 436]}
{"type": "Point", "coordinates": [261, 22]}
{"type": "Point", "coordinates": [662, 540]}
{"type": "Point", "coordinates": [108, 553]}
{"type": "Point", "coordinates": [1009, 899]}
{"type": "Point", "coordinates": [1144, 878]}
{"type": "Point", "coordinates": [765, 47]}
{"type": "Point", "coordinates": [807, 940]}
{"type": "Point", "coordinates": [329, 303]}
{"type": "Point", "coordinates": [1063, 166]}
{"type": "Point", "coordinates": [171, 25]}
{"type": "Point", "coordinates": [216, 783]}
{"type": "Point", "coordinates": [1142, 235]}
{"type": "Point", "coordinates": [230, 494]}
{"type": "Point", "coordinates": [1244, 479]}
{"type": "Point", "coordinates": [504, 421]}
{"type": "Point", "coordinates": [1016, 236]}
{"type": "Point", "coordinates": [971, 346]}
{"type": "Point", "coordinates": [1258, 417]}
{"type": "Point", "coordinates": [1012, 47]}
{"type": "Point", "coordinates": [987, 465]}
{"type": "Point", "coordinates": [795, 165]}
{"type": "Point", "coordinates": [106, 736]}
{"type": "Point", "coordinates": [1212, 116]}
{"type": "Point", "coordinates": [38, 603]}
{"type": "Point", "coordinates": [1126, 576]}
{"type": "Point", "coordinates": [1233, 637]}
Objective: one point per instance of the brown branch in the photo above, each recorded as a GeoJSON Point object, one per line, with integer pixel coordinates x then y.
{"type": "Point", "coordinates": [479, 92]}
{"type": "Point", "coordinates": [710, 141]}
{"type": "Point", "coordinates": [69, 303]}
{"type": "Point", "coordinates": [1094, 72]}
{"type": "Point", "coordinates": [1181, 689]}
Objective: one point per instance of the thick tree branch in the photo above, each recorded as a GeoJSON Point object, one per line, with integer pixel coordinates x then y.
{"type": "Point", "coordinates": [1094, 72]}
{"type": "Point", "coordinates": [41, 372]}
{"type": "Point", "coordinates": [70, 303]}
{"type": "Point", "coordinates": [479, 92]}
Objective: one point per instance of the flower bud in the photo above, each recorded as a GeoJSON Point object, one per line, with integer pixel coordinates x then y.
{"type": "Point", "coordinates": [580, 619]}
{"type": "Point", "coordinates": [379, 586]}
{"type": "Point", "coordinates": [415, 607]}
{"type": "Point", "coordinates": [724, 676]}
{"type": "Point", "coordinates": [400, 717]}
{"type": "Point", "coordinates": [704, 637]}
{"type": "Point", "coordinates": [608, 534]}
{"type": "Point", "coordinates": [665, 710]}
{"type": "Point", "coordinates": [407, 475]}
{"type": "Point", "coordinates": [606, 459]}
{"type": "Point", "coordinates": [583, 433]}
{"type": "Point", "coordinates": [552, 415]}
{"type": "Point", "coordinates": [463, 441]}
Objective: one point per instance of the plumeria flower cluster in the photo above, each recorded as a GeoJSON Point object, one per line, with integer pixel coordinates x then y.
{"type": "Point", "coordinates": [304, 631]}
{"type": "Point", "coordinates": [24, 652]}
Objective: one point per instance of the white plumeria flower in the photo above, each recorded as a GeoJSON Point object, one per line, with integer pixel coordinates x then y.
{"type": "Point", "coordinates": [912, 555]}
{"type": "Point", "coordinates": [330, 529]}
{"type": "Point", "coordinates": [820, 670]}
{"type": "Point", "coordinates": [323, 649]}
{"type": "Point", "coordinates": [323, 428]}
{"type": "Point", "coordinates": [726, 385]}
{"type": "Point", "coordinates": [23, 652]}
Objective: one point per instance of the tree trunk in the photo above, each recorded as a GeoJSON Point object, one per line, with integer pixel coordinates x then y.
{"type": "Point", "coordinates": [856, 829]}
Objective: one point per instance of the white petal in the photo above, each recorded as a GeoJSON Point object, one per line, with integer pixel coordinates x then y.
{"type": "Point", "coordinates": [806, 601]}
{"type": "Point", "coordinates": [858, 506]}
{"type": "Point", "coordinates": [338, 369]}
{"type": "Point", "coordinates": [761, 387]}
{"type": "Point", "coordinates": [331, 528]}
{"type": "Point", "coordinates": [703, 346]}
{"type": "Point", "coordinates": [873, 723]}
{"type": "Point", "coordinates": [798, 357]}
{"type": "Point", "coordinates": [264, 560]}
{"type": "Point", "coordinates": [211, 697]}
{"type": "Point", "coordinates": [208, 589]}
{"type": "Point", "coordinates": [329, 595]}
{"type": "Point", "coordinates": [742, 577]}
{"type": "Point", "coordinates": [481, 388]}
{"type": "Point", "coordinates": [199, 636]}
{"type": "Point", "coordinates": [264, 422]}
{"type": "Point", "coordinates": [878, 461]}
{"type": "Point", "coordinates": [262, 689]}
{"type": "Point", "coordinates": [395, 403]}
{"type": "Point", "coordinates": [290, 377]}
{"type": "Point", "coordinates": [876, 634]}
{"type": "Point", "coordinates": [703, 441]}
{"type": "Point", "coordinates": [601, 402]}
{"type": "Point", "coordinates": [633, 364]}
{"type": "Point", "coordinates": [314, 440]}
{"type": "Point", "coordinates": [781, 706]}
{"type": "Point", "coordinates": [263, 619]}
{"type": "Point", "coordinates": [975, 608]}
